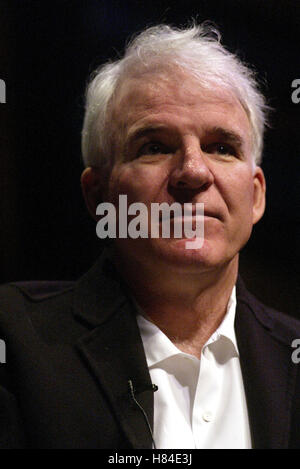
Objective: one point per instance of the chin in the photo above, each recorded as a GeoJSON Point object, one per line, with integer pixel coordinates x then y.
{"type": "Point", "coordinates": [175, 254]}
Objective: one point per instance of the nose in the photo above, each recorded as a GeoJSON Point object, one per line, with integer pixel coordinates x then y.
{"type": "Point", "coordinates": [191, 171]}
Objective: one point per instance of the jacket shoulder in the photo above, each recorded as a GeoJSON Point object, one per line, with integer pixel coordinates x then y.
{"type": "Point", "coordinates": [42, 308]}
{"type": "Point", "coordinates": [20, 293]}
{"type": "Point", "coordinates": [284, 326]}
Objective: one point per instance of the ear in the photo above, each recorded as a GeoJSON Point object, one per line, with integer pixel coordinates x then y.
{"type": "Point", "coordinates": [92, 189]}
{"type": "Point", "coordinates": [259, 194]}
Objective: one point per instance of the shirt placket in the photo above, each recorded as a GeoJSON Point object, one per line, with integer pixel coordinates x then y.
{"type": "Point", "coordinates": [206, 399]}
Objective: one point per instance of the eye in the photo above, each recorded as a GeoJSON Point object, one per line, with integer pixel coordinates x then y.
{"type": "Point", "coordinates": [221, 149]}
{"type": "Point", "coordinates": [153, 148]}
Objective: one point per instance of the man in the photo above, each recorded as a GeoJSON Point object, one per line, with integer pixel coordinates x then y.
{"type": "Point", "coordinates": [159, 346]}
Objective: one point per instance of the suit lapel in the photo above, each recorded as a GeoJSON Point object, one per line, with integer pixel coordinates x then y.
{"type": "Point", "coordinates": [268, 372]}
{"type": "Point", "coordinates": [114, 350]}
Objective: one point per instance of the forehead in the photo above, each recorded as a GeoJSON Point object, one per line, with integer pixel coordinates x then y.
{"type": "Point", "coordinates": [177, 99]}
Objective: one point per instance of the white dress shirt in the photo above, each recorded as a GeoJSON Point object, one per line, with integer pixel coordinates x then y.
{"type": "Point", "coordinates": [199, 403]}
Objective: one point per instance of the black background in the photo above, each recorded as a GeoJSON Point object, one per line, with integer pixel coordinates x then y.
{"type": "Point", "coordinates": [47, 51]}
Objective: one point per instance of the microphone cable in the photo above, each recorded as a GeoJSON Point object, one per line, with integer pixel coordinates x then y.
{"type": "Point", "coordinates": [132, 395]}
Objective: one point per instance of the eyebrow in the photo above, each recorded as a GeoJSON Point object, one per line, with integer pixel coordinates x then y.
{"type": "Point", "coordinates": [145, 130]}
{"type": "Point", "coordinates": [228, 135]}
{"type": "Point", "coordinates": [140, 132]}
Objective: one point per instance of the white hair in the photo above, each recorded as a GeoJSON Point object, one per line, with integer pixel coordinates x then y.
{"type": "Point", "coordinates": [198, 51]}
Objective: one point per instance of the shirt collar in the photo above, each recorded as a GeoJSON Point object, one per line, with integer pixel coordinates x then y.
{"type": "Point", "coordinates": [159, 347]}
{"type": "Point", "coordinates": [226, 328]}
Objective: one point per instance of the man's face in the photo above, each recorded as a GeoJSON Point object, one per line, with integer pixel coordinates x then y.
{"type": "Point", "coordinates": [176, 142]}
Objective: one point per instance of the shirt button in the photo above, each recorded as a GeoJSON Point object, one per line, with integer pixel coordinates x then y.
{"type": "Point", "coordinates": [207, 416]}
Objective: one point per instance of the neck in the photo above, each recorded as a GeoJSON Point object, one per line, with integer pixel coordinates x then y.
{"type": "Point", "coordinates": [187, 307]}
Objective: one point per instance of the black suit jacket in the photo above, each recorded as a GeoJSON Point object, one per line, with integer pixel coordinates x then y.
{"type": "Point", "coordinates": [71, 350]}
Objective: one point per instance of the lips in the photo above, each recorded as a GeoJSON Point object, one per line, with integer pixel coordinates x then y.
{"type": "Point", "coordinates": [193, 213]}
{"type": "Point", "coordinates": [211, 215]}
{"type": "Point", "coordinates": [191, 217]}
{"type": "Point", "coordinates": [188, 210]}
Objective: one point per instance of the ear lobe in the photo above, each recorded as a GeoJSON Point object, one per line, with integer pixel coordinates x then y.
{"type": "Point", "coordinates": [259, 194]}
{"type": "Point", "coordinates": [92, 189]}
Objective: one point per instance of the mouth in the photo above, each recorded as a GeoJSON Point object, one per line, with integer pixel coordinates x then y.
{"type": "Point", "coordinates": [188, 211]}
{"type": "Point", "coordinates": [193, 213]}
{"type": "Point", "coordinates": [187, 220]}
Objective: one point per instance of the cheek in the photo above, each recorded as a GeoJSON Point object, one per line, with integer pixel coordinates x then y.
{"type": "Point", "coordinates": [238, 193]}
{"type": "Point", "coordinates": [140, 184]}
